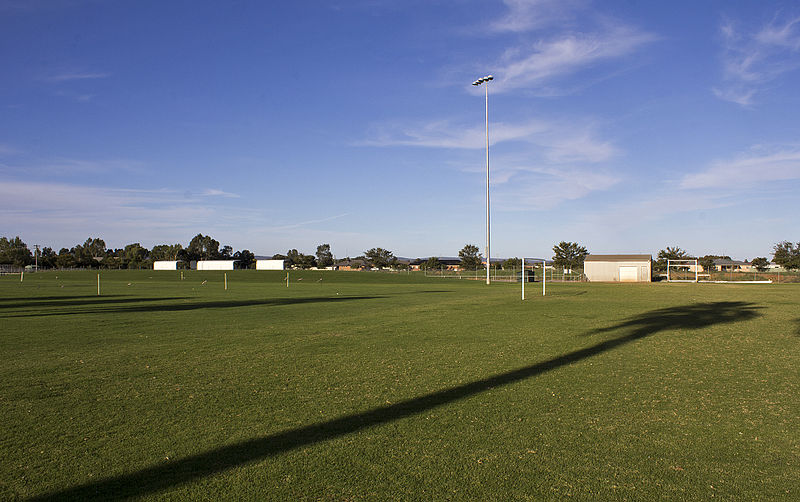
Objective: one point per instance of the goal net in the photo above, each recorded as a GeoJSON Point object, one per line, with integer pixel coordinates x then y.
{"type": "Point", "coordinates": [682, 271]}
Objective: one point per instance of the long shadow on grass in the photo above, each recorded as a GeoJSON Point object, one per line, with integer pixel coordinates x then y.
{"type": "Point", "coordinates": [77, 301]}
{"type": "Point", "coordinates": [696, 316]}
{"type": "Point", "coordinates": [54, 297]}
{"type": "Point", "coordinates": [159, 477]}
{"type": "Point", "coordinates": [191, 305]}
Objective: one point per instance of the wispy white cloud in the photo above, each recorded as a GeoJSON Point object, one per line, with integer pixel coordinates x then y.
{"type": "Point", "coordinates": [747, 171]}
{"type": "Point", "coordinates": [61, 166]}
{"type": "Point", "coordinates": [58, 204]}
{"type": "Point", "coordinates": [8, 149]}
{"type": "Point", "coordinates": [308, 222]}
{"type": "Point", "coordinates": [76, 96]}
{"type": "Point", "coordinates": [524, 187]}
{"type": "Point", "coordinates": [212, 192]}
{"type": "Point", "coordinates": [560, 142]}
{"type": "Point", "coordinates": [534, 67]}
{"type": "Point", "coordinates": [62, 212]}
{"type": "Point", "coordinates": [785, 35]}
{"type": "Point", "coordinates": [725, 184]}
{"type": "Point", "coordinates": [739, 94]}
{"type": "Point", "coordinates": [70, 200]}
{"type": "Point", "coordinates": [573, 38]}
{"type": "Point", "coordinates": [67, 76]}
{"type": "Point", "coordinates": [446, 134]}
{"type": "Point", "coordinates": [580, 146]}
{"type": "Point", "coordinates": [526, 15]}
{"type": "Point", "coordinates": [751, 60]}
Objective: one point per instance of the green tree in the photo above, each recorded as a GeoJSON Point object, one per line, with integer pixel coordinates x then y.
{"type": "Point", "coordinates": [90, 253]}
{"type": "Point", "coordinates": [299, 260]}
{"type": "Point", "coordinates": [471, 258]}
{"type": "Point", "coordinates": [569, 255]}
{"type": "Point", "coordinates": [245, 257]}
{"type": "Point", "coordinates": [432, 263]}
{"type": "Point", "coordinates": [202, 247]}
{"type": "Point", "coordinates": [787, 255]}
{"type": "Point", "coordinates": [379, 257]}
{"type": "Point", "coordinates": [669, 253]}
{"type": "Point", "coordinates": [512, 263]}
{"type": "Point", "coordinates": [134, 256]}
{"type": "Point", "coordinates": [15, 252]}
{"type": "Point", "coordinates": [307, 261]}
{"type": "Point", "coordinates": [398, 265]}
{"type": "Point", "coordinates": [113, 259]}
{"type": "Point", "coordinates": [761, 264]}
{"type": "Point", "coordinates": [293, 257]}
{"type": "Point", "coordinates": [324, 256]}
{"type": "Point", "coordinates": [66, 259]}
{"type": "Point", "coordinates": [168, 252]}
{"type": "Point", "coordinates": [47, 258]}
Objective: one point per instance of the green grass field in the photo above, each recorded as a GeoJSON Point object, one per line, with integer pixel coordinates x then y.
{"type": "Point", "coordinates": [380, 386]}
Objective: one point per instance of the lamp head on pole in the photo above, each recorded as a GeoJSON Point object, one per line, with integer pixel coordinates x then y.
{"type": "Point", "coordinates": [483, 79]}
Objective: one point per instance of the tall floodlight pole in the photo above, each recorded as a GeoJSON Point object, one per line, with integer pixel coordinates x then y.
{"type": "Point", "coordinates": [480, 81]}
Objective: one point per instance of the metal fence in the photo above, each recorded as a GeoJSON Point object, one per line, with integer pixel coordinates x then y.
{"type": "Point", "coordinates": [752, 276]}
{"type": "Point", "coordinates": [10, 269]}
{"type": "Point", "coordinates": [509, 275]}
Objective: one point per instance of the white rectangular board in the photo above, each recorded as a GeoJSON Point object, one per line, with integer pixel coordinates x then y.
{"type": "Point", "coordinates": [269, 264]}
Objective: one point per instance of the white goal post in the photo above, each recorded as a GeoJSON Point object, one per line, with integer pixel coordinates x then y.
{"type": "Point", "coordinates": [682, 270]}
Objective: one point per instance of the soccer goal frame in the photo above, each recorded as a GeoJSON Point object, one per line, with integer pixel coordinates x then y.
{"type": "Point", "coordinates": [682, 271]}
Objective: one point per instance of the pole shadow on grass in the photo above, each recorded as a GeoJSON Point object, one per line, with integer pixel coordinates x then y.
{"type": "Point", "coordinates": [74, 301]}
{"type": "Point", "coordinates": [174, 473]}
{"type": "Point", "coordinates": [54, 297]}
{"type": "Point", "coordinates": [99, 307]}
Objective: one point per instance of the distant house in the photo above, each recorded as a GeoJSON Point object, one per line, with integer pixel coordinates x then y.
{"type": "Point", "coordinates": [725, 265]}
{"type": "Point", "coordinates": [349, 265]}
{"type": "Point", "coordinates": [618, 267]}
{"type": "Point", "coordinates": [447, 262]}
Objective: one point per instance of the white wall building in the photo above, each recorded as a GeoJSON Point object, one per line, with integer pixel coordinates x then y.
{"type": "Point", "coordinates": [165, 265]}
{"type": "Point", "coordinates": [618, 267]}
{"type": "Point", "coordinates": [215, 264]}
{"type": "Point", "coordinates": [269, 264]}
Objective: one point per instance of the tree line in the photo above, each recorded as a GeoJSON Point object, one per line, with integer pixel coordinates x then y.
{"type": "Point", "coordinates": [93, 253]}
{"type": "Point", "coordinates": [785, 254]}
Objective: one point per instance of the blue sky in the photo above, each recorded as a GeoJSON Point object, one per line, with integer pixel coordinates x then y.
{"type": "Point", "coordinates": [624, 126]}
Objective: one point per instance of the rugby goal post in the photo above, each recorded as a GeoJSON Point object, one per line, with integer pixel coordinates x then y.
{"type": "Point", "coordinates": [682, 271]}
{"type": "Point", "coordinates": [524, 276]}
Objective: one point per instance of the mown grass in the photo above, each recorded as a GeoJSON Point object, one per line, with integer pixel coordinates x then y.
{"type": "Point", "coordinates": [377, 386]}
